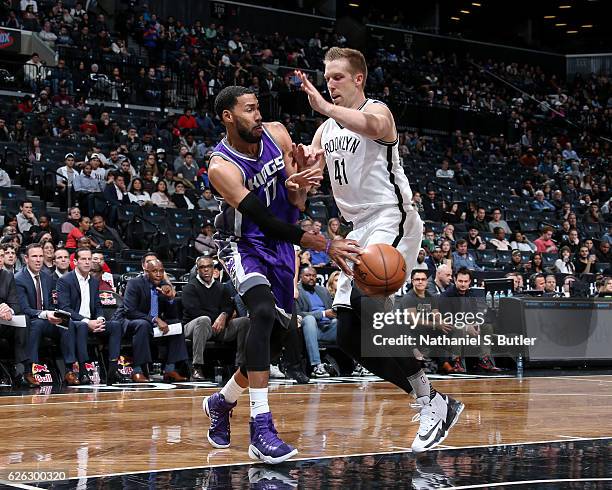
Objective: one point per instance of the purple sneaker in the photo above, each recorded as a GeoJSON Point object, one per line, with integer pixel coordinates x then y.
{"type": "Point", "coordinates": [219, 413]}
{"type": "Point", "coordinates": [265, 445]}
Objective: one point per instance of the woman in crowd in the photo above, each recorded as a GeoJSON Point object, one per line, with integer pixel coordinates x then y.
{"type": "Point", "coordinates": [537, 263]}
{"type": "Point", "coordinates": [332, 283]}
{"type": "Point", "coordinates": [48, 256]}
{"type": "Point", "coordinates": [564, 264]}
{"type": "Point", "coordinates": [160, 197]}
{"type": "Point", "coordinates": [137, 194]}
{"type": "Point", "coordinates": [522, 243]}
{"type": "Point", "coordinates": [333, 229]}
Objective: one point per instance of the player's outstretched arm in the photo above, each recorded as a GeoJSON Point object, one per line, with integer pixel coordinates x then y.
{"type": "Point", "coordinates": [374, 122]}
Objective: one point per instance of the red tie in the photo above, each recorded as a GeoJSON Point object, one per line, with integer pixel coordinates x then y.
{"type": "Point", "coordinates": [39, 302]}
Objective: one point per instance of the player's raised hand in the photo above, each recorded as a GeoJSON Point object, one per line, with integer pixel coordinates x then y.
{"type": "Point", "coordinates": [316, 100]}
{"type": "Point", "coordinates": [305, 179]}
{"type": "Point", "coordinates": [305, 156]}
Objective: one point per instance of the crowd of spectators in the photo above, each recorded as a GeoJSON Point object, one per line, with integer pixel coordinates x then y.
{"type": "Point", "coordinates": [560, 234]}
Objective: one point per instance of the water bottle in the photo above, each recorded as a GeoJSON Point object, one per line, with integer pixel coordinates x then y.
{"type": "Point", "coordinates": [519, 366]}
{"type": "Point", "coordinates": [219, 375]}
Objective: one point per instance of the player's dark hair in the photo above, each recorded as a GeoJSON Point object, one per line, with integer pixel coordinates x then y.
{"type": "Point", "coordinates": [227, 98]}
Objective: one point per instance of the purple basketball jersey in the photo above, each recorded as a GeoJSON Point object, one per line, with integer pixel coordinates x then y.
{"type": "Point", "coordinates": [250, 257]}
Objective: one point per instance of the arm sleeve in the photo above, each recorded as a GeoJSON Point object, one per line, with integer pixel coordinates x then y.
{"type": "Point", "coordinates": [269, 224]}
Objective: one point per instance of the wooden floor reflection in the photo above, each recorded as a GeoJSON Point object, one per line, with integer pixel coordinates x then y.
{"type": "Point", "coordinates": [101, 433]}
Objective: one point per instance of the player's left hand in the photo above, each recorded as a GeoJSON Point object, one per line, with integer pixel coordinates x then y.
{"type": "Point", "coordinates": [305, 156]}
{"type": "Point", "coordinates": [316, 100]}
{"type": "Point", "coordinates": [305, 179]}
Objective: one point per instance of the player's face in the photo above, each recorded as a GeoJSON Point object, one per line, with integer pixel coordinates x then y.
{"type": "Point", "coordinates": [342, 85]}
{"type": "Point", "coordinates": [247, 118]}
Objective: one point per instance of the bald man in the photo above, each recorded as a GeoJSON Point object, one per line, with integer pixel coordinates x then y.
{"type": "Point", "coordinates": [147, 305]}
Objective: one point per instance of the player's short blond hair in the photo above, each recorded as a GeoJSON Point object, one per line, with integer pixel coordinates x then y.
{"type": "Point", "coordinates": [354, 58]}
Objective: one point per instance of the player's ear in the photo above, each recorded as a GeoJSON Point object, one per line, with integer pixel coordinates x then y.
{"type": "Point", "coordinates": [227, 116]}
{"type": "Point", "coordinates": [359, 79]}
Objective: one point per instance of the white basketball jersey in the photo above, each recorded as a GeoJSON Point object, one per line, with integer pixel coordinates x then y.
{"type": "Point", "coordinates": [366, 175]}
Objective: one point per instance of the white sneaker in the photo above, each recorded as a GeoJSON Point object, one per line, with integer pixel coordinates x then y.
{"type": "Point", "coordinates": [320, 371]}
{"type": "Point", "coordinates": [361, 371]}
{"type": "Point", "coordinates": [437, 416]}
{"type": "Point", "coordinates": [276, 373]}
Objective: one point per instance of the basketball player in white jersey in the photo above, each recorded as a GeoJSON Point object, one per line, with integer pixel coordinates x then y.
{"type": "Point", "coordinates": [359, 144]}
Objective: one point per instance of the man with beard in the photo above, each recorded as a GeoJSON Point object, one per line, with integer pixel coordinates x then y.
{"type": "Point", "coordinates": [253, 169]}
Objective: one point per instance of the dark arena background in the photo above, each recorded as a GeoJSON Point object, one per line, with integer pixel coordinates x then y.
{"type": "Point", "coordinates": [503, 115]}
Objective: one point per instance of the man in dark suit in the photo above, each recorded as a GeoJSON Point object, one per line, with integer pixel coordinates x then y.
{"type": "Point", "coordinates": [117, 195]}
{"type": "Point", "coordinates": [146, 306]}
{"type": "Point", "coordinates": [9, 306]}
{"type": "Point", "coordinates": [34, 290]}
{"type": "Point", "coordinates": [77, 293]}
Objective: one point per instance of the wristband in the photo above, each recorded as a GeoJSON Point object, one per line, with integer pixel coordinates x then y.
{"type": "Point", "coordinates": [327, 246]}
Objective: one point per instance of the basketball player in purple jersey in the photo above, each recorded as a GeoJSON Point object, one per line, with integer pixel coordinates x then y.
{"type": "Point", "coordinates": [263, 188]}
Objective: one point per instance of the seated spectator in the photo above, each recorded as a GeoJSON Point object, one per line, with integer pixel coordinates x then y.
{"type": "Point", "coordinates": [78, 232]}
{"type": "Point", "coordinates": [86, 183]}
{"type": "Point", "coordinates": [160, 197]}
{"type": "Point", "coordinates": [469, 301]}
{"type": "Point", "coordinates": [35, 299]}
{"type": "Point", "coordinates": [208, 202]}
{"type": "Point", "coordinates": [536, 264]}
{"type": "Point", "coordinates": [207, 314]}
{"type": "Point", "coordinates": [564, 264]}
{"type": "Point", "coordinates": [180, 200]}
{"type": "Point", "coordinates": [420, 262]}
{"type": "Point", "coordinates": [189, 169]}
{"type": "Point", "coordinates": [480, 222]}
{"type": "Point", "coordinates": [137, 194]}
{"type": "Point", "coordinates": [550, 285]}
{"type": "Point", "coordinates": [431, 206]}
{"type": "Point", "coordinates": [516, 263]}
{"type": "Point", "coordinates": [104, 236]}
{"type": "Point", "coordinates": [448, 233]}
{"type": "Point", "coordinates": [593, 214]}
{"type": "Point", "coordinates": [314, 305]}
{"type": "Point", "coordinates": [146, 305]}
{"type": "Point", "coordinates": [451, 213]}
{"type": "Point", "coordinates": [148, 181]}
{"type": "Point", "coordinates": [434, 261]}
{"type": "Point", "coordinates": [65, 177]}
{"type": "Point", "coordinates": [26, 218]}
{"type": "Point", "coordinates": [74, 215]}
{"type": "Point", "coordinates": [529, 160]}
{"type": "Point", "coordinates": [187, 121]}
{"type": "Point", "coordinates": [17, 337]}
{"type": "Point", "coordinates": [12, 262]}
{"type": "Point", "coordinates": [522, 243]}
{"type": "Point", "coordinates": [462, 258]}
{"type": "Point", "coordinates": [497, 221]}
{"type": "Point", "coordinates": [445, 172]}
{"type": "Point", "coordinates": [499, 242]}
{"type": "Point", "coordinates": [441, 280]}
{"type": "Point", "coordinates": [604, 289]}
{"type": "Point", "coordinates": [603, 253]}
{"type": "Point", "coordinates": [537, 281]}
{"type": "Point", "coordinates": [573, 241]}
{"type": "Point", "coordinates": [96, 273]}
{"type": "Point", "coordinates": [48, 257]}
{"type": "Point", "coordinates": [204, 242]}
{"type": "Point", "coordinates": [584, 262]}
{"type": "Point", "coordinates": [5, 179]}
{"type": "Point", "coordinates": [518, 281]}
{"type": "Point", "coordinates": [77, 294]}
{"type": "Point", "coordinates": [545, 244]}
{"type": "Point", "coordinates": [462, 176]}
{"type": "Point", "coordinates": [541, 204]}
{"type": "Point", "coordinates": [61, 263]}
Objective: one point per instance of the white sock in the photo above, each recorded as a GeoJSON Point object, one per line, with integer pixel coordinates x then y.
{"type": "Point", "coordinates": [421, 386]}
{"type": "Point", "coordinates": [259, 401]}
{"type": "Point", "coordinates": [232, 390]}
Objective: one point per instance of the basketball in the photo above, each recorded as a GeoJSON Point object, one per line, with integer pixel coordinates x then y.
{"type": "Point", "coordinates": [382, 269]}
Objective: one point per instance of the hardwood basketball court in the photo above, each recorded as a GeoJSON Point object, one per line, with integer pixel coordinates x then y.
{"type": "Point", "coordinates": [91, 434]}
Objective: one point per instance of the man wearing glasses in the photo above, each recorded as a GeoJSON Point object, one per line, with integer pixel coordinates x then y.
{"type": "Point", "coordinates": [207, 313]}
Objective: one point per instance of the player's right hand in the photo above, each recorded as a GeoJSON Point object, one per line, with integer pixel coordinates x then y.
{"type": "Point", "coordinates": [341, 251]}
